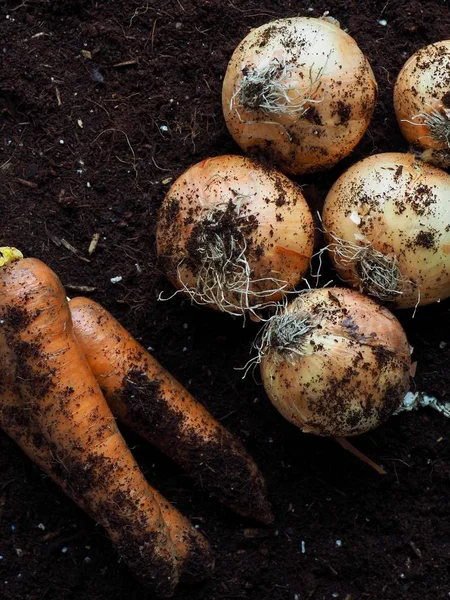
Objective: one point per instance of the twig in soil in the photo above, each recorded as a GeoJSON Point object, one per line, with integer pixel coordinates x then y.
{"type": "Point", "coordinates": [93, 244]}
{"type": "Point", "coordinates": [126, 63]}
{"type": "Point", "coordinates": [29, 184]}
{"type": "Point", "coordinates": [160, 168]}
{"type": "Point", "coordinates": [133, 162]}
{"type": "Point", "coordinates": [3, 166]}
{"type": "Point", "coordinates": [346, 444]}
{"type": "Point", "coordinates": [58, 96]}
{"type": "Point", "coordinates": [62, 242]}
{"type": "Point", "coordinates": [153, 34]}
{"type": "Point", "coordinates": [83, 289]}
{"type": "Point", "coordinates": [5, 485]}
{"type": "Point", "coordinates": [99, 105]}
{"type": "Point", "coordinates": [140, 10]}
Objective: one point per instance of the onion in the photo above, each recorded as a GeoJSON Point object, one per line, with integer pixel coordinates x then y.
{"type": "Point", "coordinates": [387, 223]}
{"type": "Point", "coordinates": [334, 362]}
{"type": "Point", "coordinates": [299, 90]}
{"type": "Point", "coordinates": [234, 235]}
{"type": "Point", "coordinates": [422, 101]}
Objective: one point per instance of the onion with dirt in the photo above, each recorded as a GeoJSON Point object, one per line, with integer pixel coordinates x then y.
{"type": "Point", "coordinates": [300, 91]}
{"type": "Point", "coordinates": [234, 235]}
{"type": "Point", "coordinates": [334, 362]}
{"type": "Point", "coordinates": [387, 225]}
{"type": "Point", "coordinates": [422, 102]}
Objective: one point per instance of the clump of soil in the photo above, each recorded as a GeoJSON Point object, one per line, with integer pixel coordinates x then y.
{"type": "Point", "coordinates": [103, 105]}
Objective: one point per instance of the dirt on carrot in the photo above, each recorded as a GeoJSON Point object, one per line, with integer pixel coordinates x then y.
{"type": "Point", "coordinates": [149, 400]}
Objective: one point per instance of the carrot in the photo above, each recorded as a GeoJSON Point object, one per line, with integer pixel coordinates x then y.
{"type": "Point", "coordinates": [144, 396]}
{"type": "Point", "coordinates": [51, 405]}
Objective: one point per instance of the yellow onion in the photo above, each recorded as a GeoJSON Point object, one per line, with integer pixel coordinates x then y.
{"type": "Point", "coordinates": [299, 90]}
{"type": "Point", "coordinates": [422, 101]}
{"type": "Point", "coordinates": [387, 224]}
{"type": "Point", "coordinates": [234, 235]}
{"type": "Point", "coordinates": [334, 362]}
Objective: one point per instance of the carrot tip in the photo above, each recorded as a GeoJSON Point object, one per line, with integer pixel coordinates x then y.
{"type": "Point", "coordinates": [8, 255]}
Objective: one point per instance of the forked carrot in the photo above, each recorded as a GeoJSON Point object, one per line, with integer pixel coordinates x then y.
{"type": "Point", "coordinates": [50, 403]}
{"type": "Point", "coordinates": [144, 396]}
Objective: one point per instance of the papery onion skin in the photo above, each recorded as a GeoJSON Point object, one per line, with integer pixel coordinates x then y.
{"type": "Point", "coordinates": [353, 368]}
{"type": "Point", "coordinates": [343, 102]}
{"type": "Point", "coordinates": [276, 218]}
{"type": "Point", "coordinates": [422, 101]}
{"type": "Point", "coordinates": [400, 206]}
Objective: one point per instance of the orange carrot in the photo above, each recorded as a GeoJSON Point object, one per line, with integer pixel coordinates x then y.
{"type": "Point", "coordinates": [144, 396]}
{"type": "Point", "coordinates": [50, 403]}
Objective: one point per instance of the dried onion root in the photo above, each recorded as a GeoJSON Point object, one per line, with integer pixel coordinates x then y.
{"type": "Point", "coordinates": [334, 362]}
{"type": "Point", "coordinates": [422, 102]}
{"type": "Point", "coordinates": [300, 91]}
{"type": "Point", "coordinates": [234, 235]}
{"type": "Point", "coordinates": [387, 225]}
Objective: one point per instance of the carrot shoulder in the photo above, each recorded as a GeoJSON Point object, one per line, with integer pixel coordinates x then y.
{"type": "Point", "coordinates": [144, 396]}
{"type": "Point", "coordinates": [50, 403]}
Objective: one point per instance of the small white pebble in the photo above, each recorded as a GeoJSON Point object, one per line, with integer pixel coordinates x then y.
{"type": "Point", "coordinates": [41, 526]}
{"type": "Point", "coordinates": [402, 576]}
{"type": "Point", "coordinates": [164, 128]}
{"type": "Point", "coordinates": [270, 440]}
{"type": "Point", "coordinates": [185, 325]}
{"type": "Point", "coordinates": [382, 22]}
{"type": "Point", "coordinates": [5, 582]}
{"type": "Point", "coordinates": [86, 559]}
{"type": "Point", "coordinates": [13, 527]}
{"type": "Point", "coordinates": [185, 349]}
{"type": "Point", "coordinates": [150, 349]}
{"type": "Point", "coordinates": [296, 597]}
{"type": "Point", "coordinates": [197, 526]}
{"type": "Point", "coordinates": [19, 552]}
{"type": "Point", "coordinates": [338, 543]}
{"type": "Point", "coordinates": [335, 595]}
{"type": "Point", "coordinates": [19, 576]}
{"type": "Point", "coordinates": [1, 557]}
{"type": "Point", "coordinates": [61, 142]}
{"type": "Point", "coordinates": [80, 171]}
{"type": "Point", "coordinates": [355, 218]}
{"type": "Point", "coordinates": [88, 184]}
{"type": "Point", "coordinates": [303, 547]}
{"type": "Point", "coordinates": [178, 25]}
{"type": "Point", "coordinates": [116, 279]}
{"type": "Point", "coordinates": [310, 9]}
{"type": "Point", "coordinates": [442, 345]}
{"type": "Point", "coordinates": [64, 550]}
{"type": "Point", "coordinates": [87, 547]}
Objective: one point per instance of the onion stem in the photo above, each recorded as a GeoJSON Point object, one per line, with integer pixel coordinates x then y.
{"type": "Point", "coordinates": [346, 444]}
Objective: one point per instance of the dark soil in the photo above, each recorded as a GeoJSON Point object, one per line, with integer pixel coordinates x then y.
{"type": "Point", "coordinates": [102, 105]}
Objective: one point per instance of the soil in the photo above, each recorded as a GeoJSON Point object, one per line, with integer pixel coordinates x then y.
{"type": "Point", "coordinates": [102, 105]}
